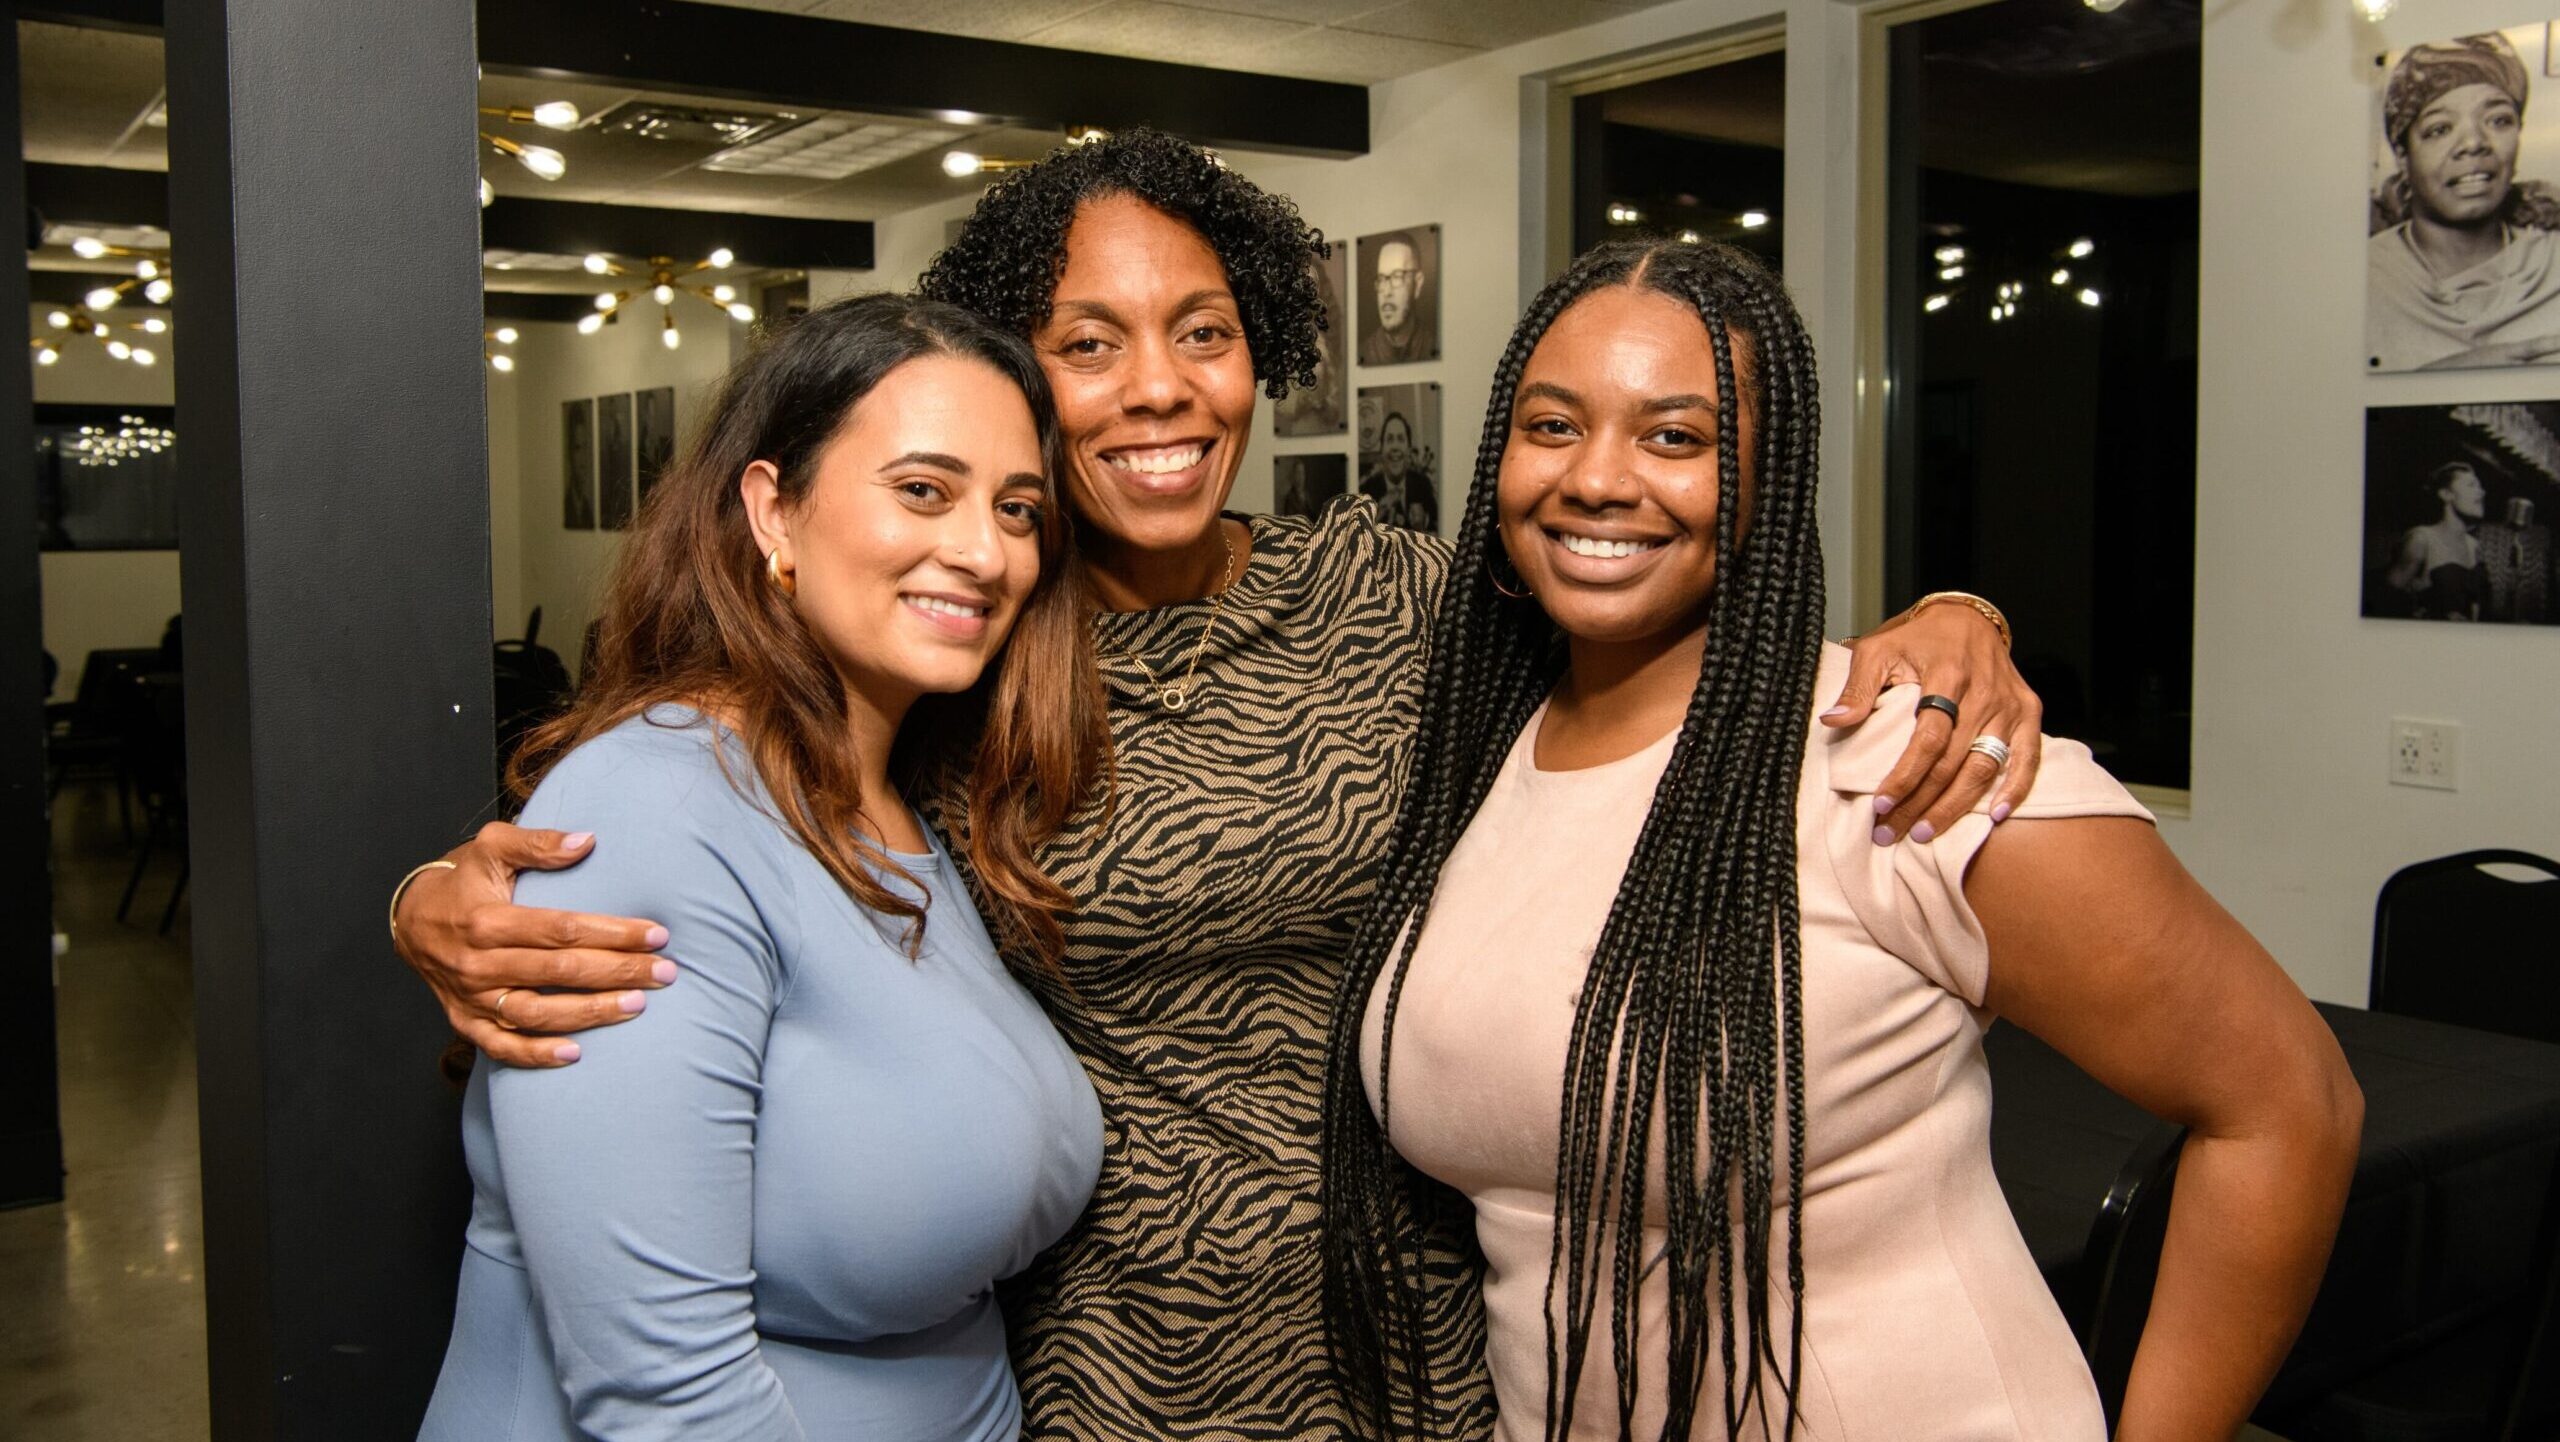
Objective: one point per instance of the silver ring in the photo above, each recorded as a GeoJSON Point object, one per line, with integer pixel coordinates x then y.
{"type": "Point", "coordinates": [1993, 747]}
{"type": "Point", "coordinates": [498, 1008]}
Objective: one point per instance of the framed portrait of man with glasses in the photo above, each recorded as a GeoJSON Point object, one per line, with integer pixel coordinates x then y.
{"type": "Point", "coordinates": [1400, 296]}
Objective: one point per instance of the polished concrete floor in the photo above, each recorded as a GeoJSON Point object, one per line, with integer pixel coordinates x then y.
{"type": "Point", "coordinates": [102, 1296]}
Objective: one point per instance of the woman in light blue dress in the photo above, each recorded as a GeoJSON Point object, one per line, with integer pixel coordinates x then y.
{"type": "Point", "coordinates": [774, 1205]}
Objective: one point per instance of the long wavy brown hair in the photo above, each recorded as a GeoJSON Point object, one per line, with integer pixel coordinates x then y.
{"type": "Point", "coordinates": [691, 618]}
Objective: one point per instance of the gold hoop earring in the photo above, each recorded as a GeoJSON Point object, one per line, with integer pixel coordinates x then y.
{"type": "Point", "coordinates": [783, 581]}
{"type": "Point", "coordinates": [1495, 576]}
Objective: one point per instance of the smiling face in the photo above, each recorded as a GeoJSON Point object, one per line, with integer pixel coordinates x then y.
{"type": "Point", "coordinates": [1145, 350]}
{"type": "Point", "coordinates": [1608, 488]}
{"type": "Point", "coordinates": [2460, 155]}
{"type": "Point", "coordinates": [1395, 446]}
{"type": "Point", "coordinates": [918, 538]}
{"type": "Point", "coordinates": [1399, 283]}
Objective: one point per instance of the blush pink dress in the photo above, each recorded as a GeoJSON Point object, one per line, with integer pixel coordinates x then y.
{"type": "Point", "coordinates": [1925, 1317]}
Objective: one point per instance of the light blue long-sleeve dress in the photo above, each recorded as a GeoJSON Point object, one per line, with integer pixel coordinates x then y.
{"type": "Point", "coordinates": [773, 1205]}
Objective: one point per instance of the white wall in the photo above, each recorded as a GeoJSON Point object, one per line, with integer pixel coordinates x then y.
{"type": "Point", "coordinates": [2294, 826]}
{"type": "Point", "coordinates": [100, 599]}
{"type": "Point", "coordinates": [561, 570]}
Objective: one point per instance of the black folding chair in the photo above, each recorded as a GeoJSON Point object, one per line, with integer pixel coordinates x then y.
{"type": "Point", "coordinates": [2455, 943]}
{"type": "Point", "coordinates": [2108, 1296]}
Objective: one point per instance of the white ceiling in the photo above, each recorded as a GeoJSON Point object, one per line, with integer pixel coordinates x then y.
{"type": "Point", "coordinates": [89, 95]}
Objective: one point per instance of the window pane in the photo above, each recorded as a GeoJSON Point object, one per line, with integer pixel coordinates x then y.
{"type": "Point", "coordinates": [2042, 348]}
{"type": "Point", "coordinates": [1698, 155]}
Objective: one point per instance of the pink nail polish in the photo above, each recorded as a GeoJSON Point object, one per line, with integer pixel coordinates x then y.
{"type": "Point", "coordinates": [565, 1051]}
{"type": "Point", "coordinates": [1835, 711]}
{"type": "Point", "coordinates": [632, 1001]}
{"type": "Point", "coordinates": [576, 839]}
{"type": "Point", "coordinates": [656, 938]}
{"type": "Point", "coordinates": [1922, 832]}
{"type": "Point", "coordinates": [1999, 813]}
{"type": "Point", "coordinates": [662, 972]}
{"type": "Point", "coordinates": [1885, 804]}
{"type": "Point", "coordinates": [1884, 836]}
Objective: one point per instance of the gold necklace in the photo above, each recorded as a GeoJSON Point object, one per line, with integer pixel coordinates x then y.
{"type": "Point", "coordinates": [1176, 698]}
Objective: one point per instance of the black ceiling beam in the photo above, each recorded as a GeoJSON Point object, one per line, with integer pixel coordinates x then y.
{"type": "Point", "coordinates": [564, 227]}
{"type": "Point", "coordinates": [141, 17]}
{"type": "Point", "coordinates": [759, 56]}
{"type": "Point", "coordinates": [536, 305]}
{"type": "Point", "coordinates": [729, 53]}
{"type": "Point", "coordinates": [98, 195]}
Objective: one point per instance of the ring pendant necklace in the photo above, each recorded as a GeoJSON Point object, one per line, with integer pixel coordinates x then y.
{"type": "Point", "coordinates": [1179, 696]}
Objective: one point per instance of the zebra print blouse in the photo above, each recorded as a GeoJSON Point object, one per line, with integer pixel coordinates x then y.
{"type": "Point", "coordinates": [1216, 903]}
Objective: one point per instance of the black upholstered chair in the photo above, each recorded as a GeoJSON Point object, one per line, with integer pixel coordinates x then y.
{"type": "Point", "coordinates": [2455, 943]}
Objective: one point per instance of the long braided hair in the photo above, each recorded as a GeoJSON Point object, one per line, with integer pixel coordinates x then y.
{"type": "Point", "coordinates": [1693, 1006]}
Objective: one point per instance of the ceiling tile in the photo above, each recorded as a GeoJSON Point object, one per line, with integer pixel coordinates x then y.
{"type": "Point", "coordinates": [1310, 12]}
{"type": "Point", "coordinates": [982, 19]}
{"type": "Point", "coordinates": [82, 90]}
{"type": "Point", "coordinates": [1487, 24]}
{"type": "Point", "coordinates": [1151, 30]}
{"type": "Point", "coordinates": [1353, 58]}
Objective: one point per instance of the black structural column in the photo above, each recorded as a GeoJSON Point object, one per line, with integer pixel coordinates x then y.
{"type": "Point", "coordinates": [323, 186]}
{"type": "Point", "coordinates": [30, 1116]}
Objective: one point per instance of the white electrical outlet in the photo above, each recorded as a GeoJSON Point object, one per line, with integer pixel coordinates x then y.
{"type": "Point", "coordinates": [2426, 753]}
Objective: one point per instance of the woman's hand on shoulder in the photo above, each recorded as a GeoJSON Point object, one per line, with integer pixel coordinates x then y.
{"type": "Point", "coordinates": [1955, 652]}
{"type": "Point", "coordinates": [556, 972]}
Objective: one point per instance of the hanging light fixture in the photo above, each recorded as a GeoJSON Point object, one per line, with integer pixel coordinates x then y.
{"type": "Point", "coordinates": [663, 279]}
{"type": "Point", "coordinates": [961, 164]}
{"type": "Point", "coordinates": [542, 160]}
{"type": "Point", "coordinates": [550, 114]}
{"type": "Point", "coordinates": [130, 438]}
{"type": "Point", "coordinates": [84, 322]}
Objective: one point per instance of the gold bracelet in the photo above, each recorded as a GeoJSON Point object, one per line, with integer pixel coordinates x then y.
{"type": "Point", "coordinates": [403, 888]}
{"type": "Point", "coordinates": [1981, 607]}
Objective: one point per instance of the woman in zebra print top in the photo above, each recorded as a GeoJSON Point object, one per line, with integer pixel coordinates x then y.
{"type": "Point", "coordinates": [1263, 677]}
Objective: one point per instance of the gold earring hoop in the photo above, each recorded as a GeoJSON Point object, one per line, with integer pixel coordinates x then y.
{"type": "Point", "coordinates": [1493, 574]}
{"type": "Point", "coordinates": [783, 581]}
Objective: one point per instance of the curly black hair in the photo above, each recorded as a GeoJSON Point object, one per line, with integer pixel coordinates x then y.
{"type": "Point", "coordinates": [1008, 257]}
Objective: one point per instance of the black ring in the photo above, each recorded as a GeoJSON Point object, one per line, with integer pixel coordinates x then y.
{"type": "Point", "coordinates": [1941, 705]}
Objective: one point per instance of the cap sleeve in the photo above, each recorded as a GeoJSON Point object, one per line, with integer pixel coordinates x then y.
{"type": "Point", "coordinates": [1910, 895]}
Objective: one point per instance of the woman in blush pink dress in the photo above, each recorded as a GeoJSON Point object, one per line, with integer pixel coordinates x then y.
{"type": "Point", "coordinates": [1703, 1061]}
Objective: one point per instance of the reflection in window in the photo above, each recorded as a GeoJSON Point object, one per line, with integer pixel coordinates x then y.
{"type": "Point", "coordinates": [1699, 155]}
{"type": "Point", "coordinates": [2042, 350]}
{"type": "Point", "coordinates": [106, 478]}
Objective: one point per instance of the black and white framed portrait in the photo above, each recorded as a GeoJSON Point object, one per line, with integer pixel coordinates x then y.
{"type": "Point", "coordinates": [1324, 409]}
{"type": "Point", "coordinates": [1400, 453]}
{"type": "Point", "coordinates": [2462, 250]}
{"type": "Point", "coordinates": [1305, 485]}
{"type": "Point", "coordinates": [578, 465]}
{"type": "Point", "coordinates": [2458, 506]}
{"type": "Point", "coordinates": [655, 426]}
{"type": "Point", "coordinates": [1400, 296]}
{"type": "Point", "coordinates": [613, 462]}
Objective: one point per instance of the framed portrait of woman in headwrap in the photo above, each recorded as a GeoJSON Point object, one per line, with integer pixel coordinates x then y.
{"type": "Point", "coordinates": [2463, 232]}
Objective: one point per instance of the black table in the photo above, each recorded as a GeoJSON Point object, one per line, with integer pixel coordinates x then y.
{"type": "Point", "coordinates": [2461, 1133]}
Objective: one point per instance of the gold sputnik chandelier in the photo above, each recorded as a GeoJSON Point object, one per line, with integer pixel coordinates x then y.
{"type": "Point", "coordinates": [542, 160]}
{"type": "Point", "coordinates": [665, 279]}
